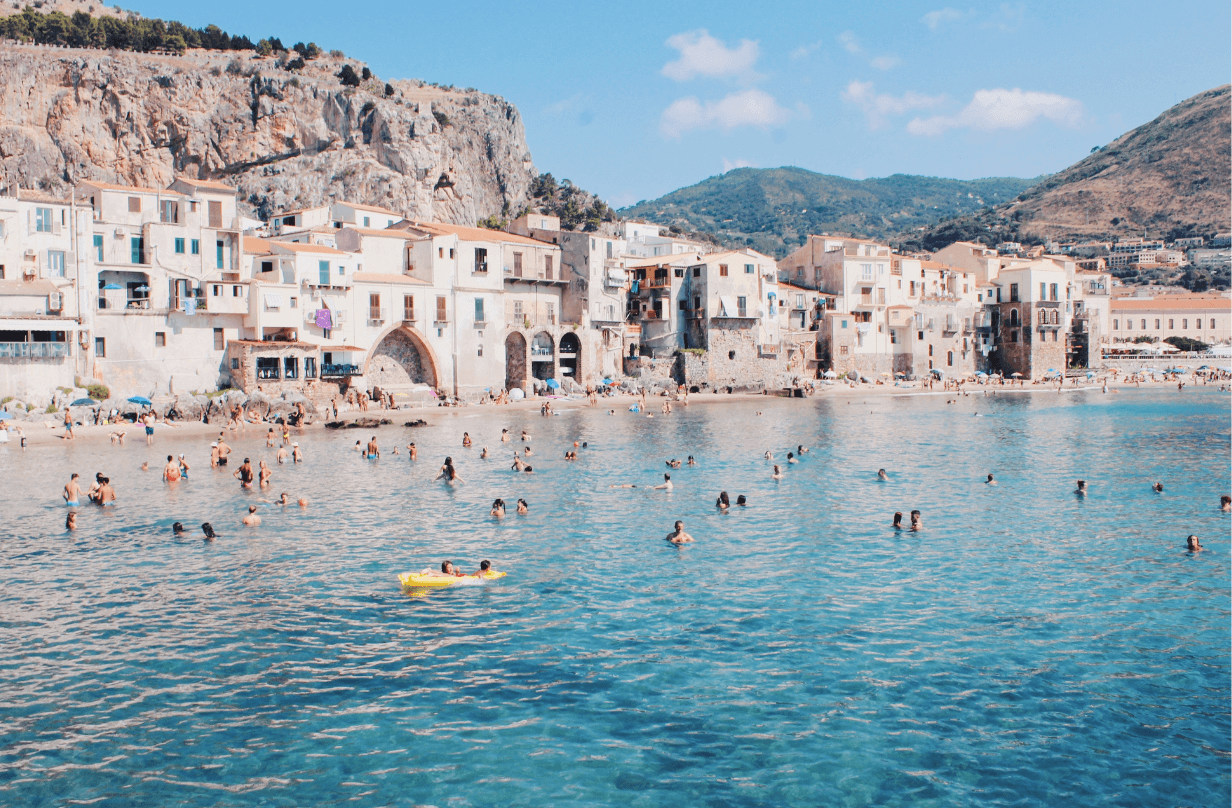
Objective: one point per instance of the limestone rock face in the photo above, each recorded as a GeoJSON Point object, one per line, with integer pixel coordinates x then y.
{"type": "Point", "coordinates": [286, 139]}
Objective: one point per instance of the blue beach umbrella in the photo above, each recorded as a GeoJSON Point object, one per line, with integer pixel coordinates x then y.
{"type": "Point", "coordinates": [113, 286]}
{"type": "Point", "coordinates": [142, 400]}
{"type": "Point", "coordinates": [84, 402]}
{"type": "Point", "coordinates": [553, 383]}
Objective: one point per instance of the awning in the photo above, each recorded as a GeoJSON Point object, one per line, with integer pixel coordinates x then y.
{"type": "Point", "coordinates": [729, 306]}
{"type": "Point", "coordinates": [273, 300]}
{"type": "Point", "coordinates": [617, 275]}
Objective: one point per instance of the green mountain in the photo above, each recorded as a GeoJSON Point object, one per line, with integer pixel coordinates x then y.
{"type": "Point", "coordinates": [773, 209]}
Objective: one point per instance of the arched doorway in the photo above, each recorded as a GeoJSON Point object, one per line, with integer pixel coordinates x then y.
{"type": "Point", "coordinates": [515, 361]}
{"type": "Point", "coordinates": [570, 357]}
{"type": "Point", "coordinates": [543, 356]}
{"type": "Point", "coordinates": [401, 360]}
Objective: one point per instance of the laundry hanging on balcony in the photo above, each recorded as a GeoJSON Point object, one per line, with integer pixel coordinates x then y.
{"type": "Point", "coordinates": [190, 306]}
{"type": "Point", "coordinates": [324, 318]}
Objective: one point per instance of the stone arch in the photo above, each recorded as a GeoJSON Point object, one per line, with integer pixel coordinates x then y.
{"type": "Point", "coordinates": [515, 361]}
{"type": "Point", "coordinates": [543, 356]}
{"type": "Point", "coordinates": [570, 357]}
{"type": "Point", "coordinates": [401, 358]}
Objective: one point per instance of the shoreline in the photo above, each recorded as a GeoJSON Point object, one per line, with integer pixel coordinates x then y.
{"type": "Point", "coordinates": [38, 434]}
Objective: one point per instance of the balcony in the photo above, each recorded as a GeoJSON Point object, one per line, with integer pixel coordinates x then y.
{"type": "Point", "coordinates": [376, 314]}
{"type": "Point", "coordinates": [339, 371]}
{"type": "Point", "coordinates": [657, 283]}
{"type": "Point", "coordinates": [34, 350]}
{"type": "Point", "coordinates": [481, 266]}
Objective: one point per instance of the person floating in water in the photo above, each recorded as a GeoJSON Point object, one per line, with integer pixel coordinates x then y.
{"type": "Point", "coordinates": [447, 571]}
{"type": "Point", "coordinates": [466, 439]}
{"type": "Point", "coordinates": [177, 529]}
{"type": "Point", "coordinates": [881, 475]}
{"type": "Point", "coordinates": [917, 521]}
{"type": "Point", "coordinates": [70, 521]}
{"type": "Point", "coordinates": [691, 461]}
{"type": "Point", "coordinates": [678, 536]}
{"type": "Point", "coordinates": [1193, 545]}
{"type": "Point", "coordinates": [1081, 490]}
{"type": "Point", "coordinates": [800, 449]}
{"type": "Point", "coordinates": [666, 485]}
{"type": "Point", "coordinates": [990, 480]}
{"type": "Point", "coordinates": [504, 436]}
{"type": "Point", "coordinates": [791, 458]}
{"type": "Point", "coordinates": [1158, 488]}
{"type": "Point", "coordinates": [483, 453]}
{"type": "Point", "coordinates": [485, 567]}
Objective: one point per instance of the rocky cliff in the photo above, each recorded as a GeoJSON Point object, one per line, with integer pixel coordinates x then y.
{"type": "Point", "coordinates": [286, 138]}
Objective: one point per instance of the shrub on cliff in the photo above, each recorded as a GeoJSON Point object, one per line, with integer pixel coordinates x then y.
{"type": "Point", "coordinates": [348, 76]}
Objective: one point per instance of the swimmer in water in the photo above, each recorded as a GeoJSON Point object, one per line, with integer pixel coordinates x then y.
{"type": "Point", "coordinates": [898, 520]}
{"type": "Point", "coordinates": [498, 508]}
{"type": "Point", "coordinates": [1081, 490]}
{"type": "Point", "coordinates": [791, 458]}
{"type": "Point", "coordinates": [171, 471]}
{"type": "Point", "coordinates": [448, 473]}
{"type": "Point", "coordinates": [359, 446]}
{"type": "Point", "coordinates": [625, 485]}
{"type": "Point", "coordinates": [296, 455]}
{"type": "Point", "coordinates": [527, 451]}
{"type": "Point", "coordinates": [281, 455]}
{"type": "Point", "coordinates": [800, 449]}
{"type": "Point", "coordinates": [673, 463]}
{"type": "Point", "coordinates": [1225, 502]}
{"type": "Point", "coordinates": [523, 507]}
{"type": "Point", "coordinates": [72, 492]}
{"type": "Point", "coordinates": [264, 474]}
{"type": "Point", "coordinates": [70, 522]}
{"type": "Point", "coordinates": [678, 536]}
{"type": "Point", "coordinates": [722, 502]}
{"type": "Point", "coordinates": [917, 521]}
{"type": "Point", "coordinates": [145, 466]}
{"type": "Point", "coordinates": [105, 493]}
{"type": "Point", "coordinates": [691, 461]}
{"type": "Point", "coordinates": [666, 485]}
{"type": "Point", "coordinates": [525, 436]}
{"type": "Point", "coordinates": [769, 456]}
{"type": "Point", "coordinates": [741, 501]}
{"type": "Point", "coordinates": [777, 474]}
{"type": "Point", "coordinates": [178, 529]}
{"type": "Point", "coordinates": [483, 453]}
{"type": "Point", "coordinates": [410, 447]}
{"type": "Point", "coordinates": [1191, 543]}
{"type": "Point", "coordinates": [518, 465]}
{"type": "Point", "coordinates": [485, 567]}
{"type": "Point", "coordinates": [990, 480]}
{"type": "Point", "coordinates": [881, 475]}
{"type": "Point", "coordinates": [244, 474]}
{"type": "Point", "coordinates": [1158, 488]}
{"type": "Point", "coordinates": [466, 439]}
{"type": "Point", "coordinates": [251, 520]}
{"type": "Point", "coordinates": [208, 531]}
{"type": "Point", "coordinates": [373, 449]}
{"type": "Point", "coordinates": [504, 436]}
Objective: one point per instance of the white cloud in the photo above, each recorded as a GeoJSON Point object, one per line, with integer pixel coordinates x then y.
{"type": "Point", "coordinates": [804, 50]}
{"type": "Point", "coordinates": [933, 19]}
{"type": "Point", "coordinates": [886, 62]}
{"type": "Point", "coordinates": [728, 165]}
{"type": "Point", "coordinates": [703, 55]}
{"type": "Point", "coordinates": [565, 105]}
{"type": "Point", "coordinates": [849, 42]}
{"type": "Point", "coordinates": [745, 108]}
{"type": "Point", "coordinates": [878, 107]}
{"type": "Point", "coordinates": [990, 110]}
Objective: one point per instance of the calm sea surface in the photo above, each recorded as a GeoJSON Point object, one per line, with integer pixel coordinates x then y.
{"type": "Point", "coordinates": [1027, 648]}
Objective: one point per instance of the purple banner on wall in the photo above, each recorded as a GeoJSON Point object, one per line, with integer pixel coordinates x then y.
{"type": "Point", "coordinates": [324, 320]}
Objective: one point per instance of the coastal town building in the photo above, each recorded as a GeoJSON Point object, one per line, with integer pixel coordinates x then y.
{"type": "Point", "coordinates": [1203, 317]}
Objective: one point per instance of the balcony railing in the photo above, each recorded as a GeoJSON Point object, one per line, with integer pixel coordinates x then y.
{"type": "Point", "coordinates": [657, 283]}
{"type": "Point", "coordinates": [408, 315]}
{"type": "Point", "coordinates": [376, 314]}
{"type": "Point", "coordinates": [481, 266]}
{"type": "Point", "coordinates": [33, 350]}
{"type": "Point", "coordinates": [338, 370]}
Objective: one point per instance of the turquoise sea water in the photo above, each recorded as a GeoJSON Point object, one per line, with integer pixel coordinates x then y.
{"type": "Point", "coordinates": [1027, 648]}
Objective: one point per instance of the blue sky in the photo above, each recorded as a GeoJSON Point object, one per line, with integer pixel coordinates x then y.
{"type": "Point", "coordinates": [632, 100]}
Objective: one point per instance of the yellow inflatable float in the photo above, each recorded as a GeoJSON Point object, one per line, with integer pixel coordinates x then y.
{"type": "Point", "coordinates": [428, 578]}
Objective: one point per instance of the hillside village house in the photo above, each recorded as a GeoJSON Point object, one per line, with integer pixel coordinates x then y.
{"type": "Point", "coordinates": [46, 283]}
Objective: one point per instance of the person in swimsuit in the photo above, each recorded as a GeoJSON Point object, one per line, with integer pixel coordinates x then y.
{"type": "Point", "coordinates": [149, 428]}
{"type": "Point", "coordinates": [1158, 488]}
{"type": "Point", "coordinates": [373, 451]}
{"type": "Point", "coordinates": [518, 465]}
{"type": "Point", "coordinates": [447, 571]}
{"type": "Point", "coordinates": [990, 480]}
{"type": "Point", "coordinates": [264, 474]}
{"type": "Point", "coordinates": [466, 439]}
{"type": "Point", "coordinates": [498, 508]}
{"type": "Point", "coordinates": [504, 436]}
{"type": "Point", "coordinates": [678, 536]}
{"type": "Point", "coordinates": [1082, 488]}
{"type": "Point", "coordinates": [213, 455]}
{"type": "Point", "coordinates": [208, 531]}
{"type": "Point", "coordinates": [485, 567]}
{"type": "Point", "coordinates": [171, 471]}
{"type": "Point", "coordinates": [244, 474]}
{"type": "Point", "coordinates": [281, 455]}
{"type": "Point", "coordinates": [666, 485]}
{"type": "Point", "coordinates": [297, 456]}
{"type": "Point", "coordinates": [882, 476]}
{"type": "Point", "coordinates": [1191, 543]}
{"type": "Point", "coordinates": [741, 501]}
{"type": "Point", "coordinates": [269, 438]}
{"type": "Point", "coordinates": [722, 503]}
{"type": "Point", "coordinates": [691, 461]}
{"type": "Point", "coordinates": [791, 458]}
{"type": "Point", "coordinates": [70, 522]}
{"type": "Point", "coordinates": [483, 453]}
{"type": "Point", "coordinates": [448, 473]}
{"type": "Point", "coordinates": [106, 494]}
{"type": "Point", "coordinates": [251, 520]}
{"type": "Point", "coordinates": [68, 425]}
{"type": "Point", "coordinates": [777, 474]}
{"type": "Point", "coordinates": [183, 468]}
{"type": "Point", "coordinates": [523, 507]}
{"type": "Point", "coordinates": [177, 529]}
{"type": "Point", "coordinates": [72, 492]}
{"type": "Point", "coordinates": [1225, 503]}
{"type": "Point", "coordinates": [414, 453]}
{"type": "Point", "coordinates": [898, 520]}
{"type": "Point", "coordinates": [917, 521]}
{"type": "Point", "coordinates": [223, 450]}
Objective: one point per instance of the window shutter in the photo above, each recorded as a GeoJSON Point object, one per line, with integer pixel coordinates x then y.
{"type": "Point", "coordinates": [30, 222]}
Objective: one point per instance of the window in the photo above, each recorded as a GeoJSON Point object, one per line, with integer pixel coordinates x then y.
{"type": "Point", "coordinates": [930, 350]}
{"type": "Point", "coordinates": [1044, 291]}
{"type": "Point", "coordinates": [323, 272]}
{"type": "Point", "coordinates": [215, 209]}
{"type": "Point", "coordinates": [609, 250]}
{"type": "Point", "coordinates": [196, 246]}
{"type": "Point", "coordinates": [949, 358]}
{"type": "Point", "coordinates": [842, 350]}
{"type": "Point", "coordinates": [844, 325]}
{"type": "Point", "coordinates": [310, 367]}
{"type": "Point", "coordinates": [1043, 316]}
{"type": "Point", "coordinates": [881, 295]}
{"type": "Point", "coordinates": [517, 265]}
{"type": "Point", "coordinates": [267, 367]}
{"type": "Point", "coordinates": [134, 204]}
{"type": "Point", "coordinates": [722, 270]}
{"type": "Point", "coordinates": [169, 212]}
{"type": "Point", "coordinates": [1184, 324]}
{"type": "Point", "coordinates": [374, 306]}
{"type": "Point", "coordinates": [342, 270]}
{"type": "Point", "coordinates": [1013, 293]}
{"type": "Point", "coordinates": [748, 269]}
{"type": "Point", "coordinates": [741, 306]}
{"type": "Point", "coordinates": [799, 301]}
{"type": "Point", "coordinates": [1053, 291]}
{"type": "Point", "coordinates": [98, 249]}
{"type": "Point", "coordinates": [55, 264]}
{"type": "Point", "coordinates": [218, 339]}
{"type": "Point", "coordinates": [1156, 323]}
{"type": "Point", "coordinates": [160, 339]}
{"type": "Point", "coordinates": [517, 310]}
{"type": "Point", "coordinates": [367, 221]}
{"type": "Point", "coordinates": [440, 309]}
{"type": "Point", "coordinates": [866, 272]}
{"type": "Point", "coordinates": [1116, 325]}
{"type": "Point", "coordinates": [137, 250]}
{"type": "Point", "coordinates": [1013, 336]}
{"type": "Point", "coordinates": [267, 266]}
{"type": "Point", "coordinates": [100, 347]}
{"type": "Point", "coordinates": [218, 251]}
{"type": "Point", "coordinates": [547, 267]}
{"type": "Point", "coordinates": [697, 272]}
{"type": "Point", "coordinates": [451, 252]}
{"type": "Point", "coordinates": [408, 308]}
{"type": "Point", "coordinates": [295, 302]}
{"type": "Point", "coordinates": [237, 291]}
{"type": "Point", "coordinates": [893, 337]}
{"type": "Point", "coordinates": [235, 363]}
{"type": "Point", "coordinates": [480, 349]}
{"type": "Point", "coordinates": [481, 259]}
{"type": "Point", "coordinates": [1170, 325]}
{"type": "Point", "coordinates": [920, 335]}
{"type": "Point", "coordinates": [290, 365]}
{"type": "Point", "coordinates": [479, 310]}
{"type": "Point", "coordinates": [551, 313]}
{"type": "Point", "coordinates": [1212, 322]}
{"type": "Point", "coordinates": [179, 246]}
{"type": "Point", "coordinates": [440, 252]}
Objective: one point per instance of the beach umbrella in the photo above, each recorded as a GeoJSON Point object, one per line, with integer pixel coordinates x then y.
{"type": "Point", "coordinates": [981, 373]}
{"type": "Point", "coordinates": [113, 286]}
{"type": "Point", "coordinates": [1090, 374]}
{"type": "Point", "coordinates": [84, 402]}
{"type": "Point", "coordinates": [553, 383]}
{"type": "Point", "coordinates": [142, 400]}
{"type": "Point", "coordinates": [1015, 374]}
{"type": "Point", "coordinates": [829, 374]}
